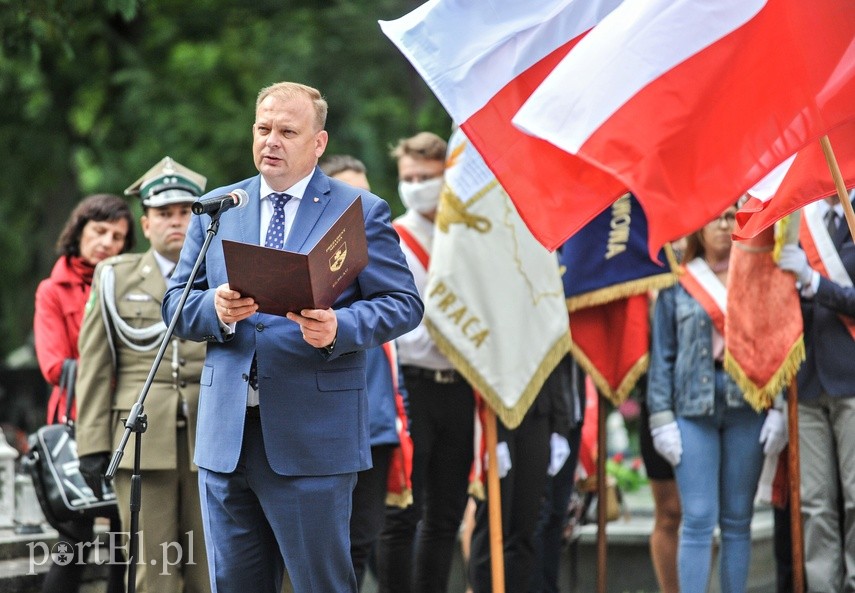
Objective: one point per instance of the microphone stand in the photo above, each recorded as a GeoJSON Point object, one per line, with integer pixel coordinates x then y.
{"type": "Point", "coordinates": [137, 422]}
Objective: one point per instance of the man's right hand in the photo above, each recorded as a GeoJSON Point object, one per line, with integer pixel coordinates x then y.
{"type": "Point", "coordinates": [230, 307]}
{"type": "Point", "coordinates": [93, 467]}
{"type": "Point", "coordinates": [793, 259]}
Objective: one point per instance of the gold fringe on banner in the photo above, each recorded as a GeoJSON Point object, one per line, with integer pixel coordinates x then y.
{"type": "Point", "coordinates": [619, 291]}
{"type": "Point", "coordinates": [476, 489]}
{"type": "Point", "coordinates": [510, 417]}
{"type": "Point", "coordinates": [619, 395]}
{"type": "Point", "coordinates": [761, 396]}
{"type": "Point", "coordinates": [399, 499]}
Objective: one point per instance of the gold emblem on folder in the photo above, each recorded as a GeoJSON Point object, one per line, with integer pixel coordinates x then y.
{"type": "Point", "coordinates": [337, 260]}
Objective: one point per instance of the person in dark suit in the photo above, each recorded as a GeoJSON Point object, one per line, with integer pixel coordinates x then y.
{"type": "Point", "coordinates": [283, 414]}
{"type": "Point", "coordinates": [826, 392]}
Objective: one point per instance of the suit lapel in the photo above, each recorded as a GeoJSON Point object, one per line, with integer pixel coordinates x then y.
{"type": "Point", "coordinates": [249, 219]}
{"type": "Point", "coordinates": [314, 201]}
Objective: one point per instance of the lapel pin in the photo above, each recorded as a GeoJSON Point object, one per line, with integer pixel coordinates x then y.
{"type": "Point", "coordinates": [316, 200]}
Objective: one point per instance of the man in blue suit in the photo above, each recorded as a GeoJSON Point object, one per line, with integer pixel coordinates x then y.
{"type": "Point", "coordinates": [825, 271]}
{"type": "Point", "coordinates": [283, 416]}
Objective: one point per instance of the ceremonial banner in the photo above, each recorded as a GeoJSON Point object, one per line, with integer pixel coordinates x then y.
{"type": "Point", "coordinates": [494, 303]}
{"type": "Point", "coordinates": [801, 179]}
{"type": "Point", "coordinates": [607, 259]}
{"type": "Point", "coordinates": [764, 344]}
{"type": "Point", "coordinates": [483, 60]}
{"type": "Point", "coordinates": [665, 96]}
{"type": "Point", "coordinates": [607, 274]}
{"type": "Point", "coordinates": [611, 342]}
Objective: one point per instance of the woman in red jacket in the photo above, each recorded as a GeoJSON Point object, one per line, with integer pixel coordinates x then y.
{"type": "Point", "coordinates": [99, 227]}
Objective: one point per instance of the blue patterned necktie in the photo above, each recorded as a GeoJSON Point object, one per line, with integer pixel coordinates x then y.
{"type": "Point", "coordinates": [275, 238]}
{"type": "Point", "coordinates": [276, 231]}
{"type": "Point", "coordinates": [831, 223]}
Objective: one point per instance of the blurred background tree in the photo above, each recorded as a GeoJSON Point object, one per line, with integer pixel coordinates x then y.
{"type": "Point", "coordinates": [94, 92]}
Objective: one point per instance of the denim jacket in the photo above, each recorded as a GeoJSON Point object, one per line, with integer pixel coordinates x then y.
{"type": "Point", "coordinates": [681, 377]}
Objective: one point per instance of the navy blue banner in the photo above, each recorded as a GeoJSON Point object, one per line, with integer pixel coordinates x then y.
{"type": "Point", "coordinates": [608, 258]}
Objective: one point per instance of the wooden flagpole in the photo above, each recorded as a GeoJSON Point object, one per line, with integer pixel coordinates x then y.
{"type": "Point", "coordinates": [794, 471]}
{"type": "Point", "coordinates": [494, 502]}
{"type": "Point", "coordinates": [838, 183]}
{"type": "Point", "coordinates": [602, 495]}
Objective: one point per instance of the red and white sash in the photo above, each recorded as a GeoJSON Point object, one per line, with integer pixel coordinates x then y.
{"type": "Point", "coordinates": [822, 253]}
{"type": "Point", "coordinates": [701, 282]}
{"type": "Point", "coordinates": [409, 239]}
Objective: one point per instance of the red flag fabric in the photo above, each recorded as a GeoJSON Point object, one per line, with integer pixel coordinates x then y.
{"type": "Point", "coordinates": [691, 102]}
{"type": "Point", "coordinates": [399, 484]}
{"type": "Point", "coordinates": [588, 443]}
{"type": "Point", "coordinates": [798, 181]}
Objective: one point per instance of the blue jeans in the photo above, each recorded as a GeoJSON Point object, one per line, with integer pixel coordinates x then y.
{"type": "Point", "coordinates": [717, 478]}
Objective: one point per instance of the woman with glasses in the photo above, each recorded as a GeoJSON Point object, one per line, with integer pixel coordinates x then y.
{"type": "Point", "coordinates": [699, 420]}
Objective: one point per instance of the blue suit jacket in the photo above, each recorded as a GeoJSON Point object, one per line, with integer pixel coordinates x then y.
{"type": "Point", "coordinates": [314, 411]}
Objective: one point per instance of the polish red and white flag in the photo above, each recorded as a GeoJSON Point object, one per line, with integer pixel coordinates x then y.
{"type": "Point", "coordinates": [483, 60]}
{"type": "Point", "coordinates": [690, 103]}
{"type": "Point", "coordinates": [803, 178]}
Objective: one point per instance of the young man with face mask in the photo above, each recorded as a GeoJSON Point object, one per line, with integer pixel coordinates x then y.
{"type": "Point", "coordinates": [441, 402]}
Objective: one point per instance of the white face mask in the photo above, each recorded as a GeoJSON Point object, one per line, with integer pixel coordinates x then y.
{"type": "Point", "coordinates": [421, 196]}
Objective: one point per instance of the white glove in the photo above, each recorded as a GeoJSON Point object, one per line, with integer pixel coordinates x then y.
{"type": "Point", "coordinates": [793, 259]}
{"type": "Point", "coordinates": [559, 451]}
{"type": "Point", "coordinates": [503, 459]}
{"type": "Point", "coordinates": [667, 442]}
{"type": "Point", "coordinates": [773, 435]}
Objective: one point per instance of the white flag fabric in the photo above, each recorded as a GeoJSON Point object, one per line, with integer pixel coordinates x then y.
{"type": "Point", "coordinates": [483, 60]}
{"type": "Point", "coordinates": [494, 301]}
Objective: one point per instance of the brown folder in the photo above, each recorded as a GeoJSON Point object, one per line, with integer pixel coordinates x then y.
{"type": "Point", "coordinates": [281, 281]}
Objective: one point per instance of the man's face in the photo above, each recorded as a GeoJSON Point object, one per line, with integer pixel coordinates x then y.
{"type": "Point", "coordinates": [286, 145]}
{"type": "Point", "coordinates": [166, 227]}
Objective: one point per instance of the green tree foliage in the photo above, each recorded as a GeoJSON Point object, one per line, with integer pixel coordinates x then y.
{"type": "Point", "coordinates": [93, 92]}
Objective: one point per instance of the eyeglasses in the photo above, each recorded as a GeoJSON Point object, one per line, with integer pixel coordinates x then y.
{"type": "Point", "coordinates": [728, 218]}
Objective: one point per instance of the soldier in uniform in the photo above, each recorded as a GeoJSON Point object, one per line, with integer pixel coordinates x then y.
{"type": "Point", "coordinates": [121, 333]}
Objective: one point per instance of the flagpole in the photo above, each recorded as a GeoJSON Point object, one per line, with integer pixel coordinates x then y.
{"type": "Point", "coordinates": [838, 183]}
{"type": "Point", "coordinates": [602, 496]}
{"type": "Point", "coordinates": [794, 469]}
{"type": "Point", "coordinates": [494, 502]}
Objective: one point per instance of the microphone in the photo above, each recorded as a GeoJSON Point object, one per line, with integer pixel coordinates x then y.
{"type": "Point", "coordinates": [237, 198]}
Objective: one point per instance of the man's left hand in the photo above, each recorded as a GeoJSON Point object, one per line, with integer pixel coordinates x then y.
{"type": "Point", "coordinates": [319, 326]}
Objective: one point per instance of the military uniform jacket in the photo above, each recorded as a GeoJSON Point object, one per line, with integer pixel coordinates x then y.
{"type": "Point", "coordinates": [109, 383]}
